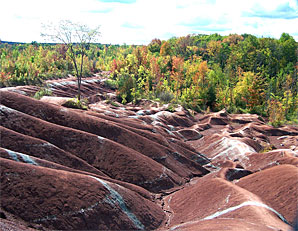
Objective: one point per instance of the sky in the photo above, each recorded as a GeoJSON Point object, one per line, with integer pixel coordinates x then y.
{"type": "Point", "coordinates": [139, 21]}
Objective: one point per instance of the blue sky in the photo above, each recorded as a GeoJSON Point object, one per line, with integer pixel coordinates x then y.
{"type": "Point", "coordinates": [139, 21]}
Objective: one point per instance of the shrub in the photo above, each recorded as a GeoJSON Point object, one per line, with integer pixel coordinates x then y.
{"type": "Point", "coordinates": [125, 86]}
{"type": "Point", "coordinates": [110, 83]}
{"type": "Point", "coordinates": [166, 96]}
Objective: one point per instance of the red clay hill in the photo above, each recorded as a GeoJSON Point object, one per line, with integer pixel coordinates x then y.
{"type": "Point", "coordinates": [140, 167]}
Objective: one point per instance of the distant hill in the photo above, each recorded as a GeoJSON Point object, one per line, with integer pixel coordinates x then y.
{"type": "Point", "coordinates": [11, 42]}
{"type": "Point", "coordinates": [34, 42]}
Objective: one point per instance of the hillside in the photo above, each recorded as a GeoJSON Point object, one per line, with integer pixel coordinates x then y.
{"type": "Point", "coordinates": [140, 167]}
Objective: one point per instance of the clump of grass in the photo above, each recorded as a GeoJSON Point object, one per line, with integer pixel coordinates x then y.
{"type": "Point", "coordinates": [43, 92]}
{"type": "Point", "coordinates": [113, 103]}
{"type": "Point", "coordinates": [76, 104]}
{"type": "Point", "coordinates": [267, 148]}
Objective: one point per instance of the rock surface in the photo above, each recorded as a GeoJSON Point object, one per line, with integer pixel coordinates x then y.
{"type": "Point", "coordinates": [140, 167]}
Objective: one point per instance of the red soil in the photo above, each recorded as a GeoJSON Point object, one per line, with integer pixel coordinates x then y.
{"type": "Point", "coordinates": [131, 167]}
{"type": "Point", "coordinates": [277, 187]}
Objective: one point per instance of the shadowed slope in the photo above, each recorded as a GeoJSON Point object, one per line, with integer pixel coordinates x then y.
{"type": "Point", "coordinates": [71, 119]}
{"type": "Point", "coordinates": [97, 151]}
{"type": "Point", "coordinates": [64, 200]}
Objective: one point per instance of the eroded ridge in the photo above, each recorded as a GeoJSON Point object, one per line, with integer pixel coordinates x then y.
{"type": "Point", "coordinates": [140, 167]}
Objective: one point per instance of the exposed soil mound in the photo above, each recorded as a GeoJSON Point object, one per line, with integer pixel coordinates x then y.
{"type": "Point", "coordinates": [216, 198]}
{"type": "Point", "coordinates": [65, 200]}
{"type": "Point", "coordinates": [139, 167]}
{"type": "Point", "coordinates": [277, 186]}
{"type": "Point", "coordinates": [98, 142]}
{"type": "Point", "coordinates": [260, 161]}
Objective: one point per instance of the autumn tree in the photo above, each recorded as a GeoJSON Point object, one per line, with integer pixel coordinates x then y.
{"type": "Point", "coordinates": [181, 45]}
{"type": "Point", "coordinates": [165, 49]}
{"type": "Point", "coordinates": [77, 38]}
{"type": "Point", "coordinates": [248, 92]}
{"type": "Point", "coordinates": [233, 39]}
{"type": "Point", "coordinates": [154, 45]}
{"type": "Point", "coordinates": [214, 49]}
{"type": "Point", "coordinates": [177, 74]}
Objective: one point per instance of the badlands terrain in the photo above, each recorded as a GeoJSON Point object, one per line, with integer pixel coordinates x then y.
{"type": "Point", "coordinates": [140, 167]}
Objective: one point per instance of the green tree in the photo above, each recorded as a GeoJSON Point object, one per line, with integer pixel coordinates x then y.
{"type": "Point", "coordinates": [289, 49]}
{"type": "Point", "coordinates": [154, 45]}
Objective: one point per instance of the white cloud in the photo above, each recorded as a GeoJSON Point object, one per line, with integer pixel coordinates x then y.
{"type": "Point", "coordinates": [139, 21]}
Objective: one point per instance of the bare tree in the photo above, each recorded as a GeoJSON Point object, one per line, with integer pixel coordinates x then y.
{"type": "Point", "coordinates": [77, 37]}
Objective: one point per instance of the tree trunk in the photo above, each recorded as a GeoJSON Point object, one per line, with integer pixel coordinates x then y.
{"type": "Point", "coordinates": [79, 77]}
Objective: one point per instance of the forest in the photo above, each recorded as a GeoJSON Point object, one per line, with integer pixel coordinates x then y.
{"type": "Point", "coordinates": [241, 73]}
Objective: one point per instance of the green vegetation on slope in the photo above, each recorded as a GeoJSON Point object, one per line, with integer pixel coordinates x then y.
{"type": "Point", "coordinates": [241, 73]}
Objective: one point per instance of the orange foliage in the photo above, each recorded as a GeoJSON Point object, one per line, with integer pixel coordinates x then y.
{"type": "Point", "coordinates": [203, 69]}
{"type": "Point", "coordinates": [233, 39]}
{"type": "Point", "coordinates": [155, 69]}
{"type": "Point", "coordinates": [141, 55]}
{"type": "Point", "coordinates": [177, 74]}
{"type": "Point", "coordinates": [165, 49]}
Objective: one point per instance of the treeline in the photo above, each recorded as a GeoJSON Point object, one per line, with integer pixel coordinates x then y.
{"type": "Point", "coordinates": [241, 73]}
{"type": "Point", "coordinates": [24, 64]}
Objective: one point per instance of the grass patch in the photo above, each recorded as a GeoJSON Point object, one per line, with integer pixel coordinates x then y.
{"type": "Point", "coordinates": [43, 92]}
{"type": "Point", "coordinates": [267, 148]}
{"type": "Point", "coordinates": [76, 104]}
{"type": "Point", "coordinates": [172, 107]}
{"type": "Point", "coordinates": [109, 101]}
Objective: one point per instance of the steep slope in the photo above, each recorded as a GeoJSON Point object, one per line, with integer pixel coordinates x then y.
{"type": "Point", "coordinates": [60, 199]}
